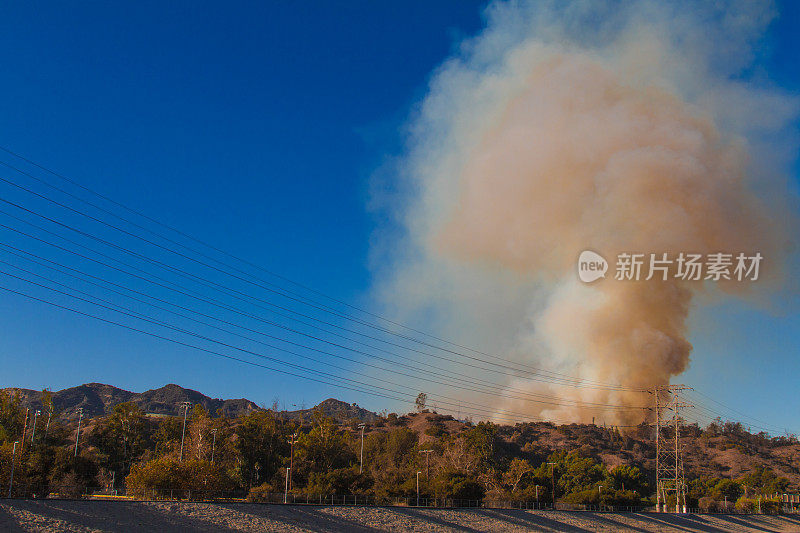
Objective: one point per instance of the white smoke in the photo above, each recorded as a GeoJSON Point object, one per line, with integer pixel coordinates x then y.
{"type": "Point", "coordinates": [565, 126]}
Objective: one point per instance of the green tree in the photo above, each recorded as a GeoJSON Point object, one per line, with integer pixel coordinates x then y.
{"type": "Point", "coordinates": [122, 438]}
{"type": "Point", "coordinates": [261, 445]}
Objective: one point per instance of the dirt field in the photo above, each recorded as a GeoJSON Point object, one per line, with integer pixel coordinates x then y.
{"type": "Point", "coordinates": [83, 516]}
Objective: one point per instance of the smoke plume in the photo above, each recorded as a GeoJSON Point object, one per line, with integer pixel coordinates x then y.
{"type": "Point", "coordinates": [563, 127]}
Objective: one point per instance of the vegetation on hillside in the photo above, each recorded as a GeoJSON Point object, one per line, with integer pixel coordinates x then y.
{"type": "Point", "coordinates": [250, 454]}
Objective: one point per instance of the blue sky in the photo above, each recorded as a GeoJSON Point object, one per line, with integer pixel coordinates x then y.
{"type": "Point", "coordinates": [256, 126]}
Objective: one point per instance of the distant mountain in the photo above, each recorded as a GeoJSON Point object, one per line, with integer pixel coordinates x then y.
{"type": "Point", "coordinates": [99, 399]}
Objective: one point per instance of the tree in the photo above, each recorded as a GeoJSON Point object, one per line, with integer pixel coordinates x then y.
{"type": "Point", "coordinates": [122, 438]}
{"type": "Point", "coordinates": [261, 446]}
{"type": "Point", "coordinates": [517, 469]}
{"type": "Point", "coordinates": [421, 400]}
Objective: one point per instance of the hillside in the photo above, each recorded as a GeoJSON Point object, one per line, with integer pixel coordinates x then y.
{"type": "Point", "coordinates": [724, 450]}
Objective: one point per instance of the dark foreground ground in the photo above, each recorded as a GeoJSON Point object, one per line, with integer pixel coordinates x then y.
{"type": "Point", "coordinates": [83, 516]}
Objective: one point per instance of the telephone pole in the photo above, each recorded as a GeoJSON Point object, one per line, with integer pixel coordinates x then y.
{"type": "Point", "coordinates": [670, 476]}
{"type": "Point", "coordinates": [78, 433]}
{"type": "Point", "coordinates": [185, 407]}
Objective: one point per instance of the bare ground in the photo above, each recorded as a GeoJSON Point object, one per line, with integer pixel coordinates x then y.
{"type": "Point", "coordinates": [85, 516]}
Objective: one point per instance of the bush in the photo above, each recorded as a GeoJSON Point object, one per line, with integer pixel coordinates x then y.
{"type": "Point", "coordinates": [746, 505]}
{"type": "Point", "coordinates": [709, 505]}
{"type": "Point", "coordinates": [460, 487]}
{"type": "Point", "coordinates": [261, 493]}
{"type": "Point", "coordinates": [201, 478]}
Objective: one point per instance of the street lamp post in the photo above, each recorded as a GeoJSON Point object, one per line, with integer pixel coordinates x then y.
{"type": "Point", "coordinates": [286, 490]}
{"type": "Point", "coordinates": [25, 428]}
{"type": "Point", "coordinates": [47, 427]}
{"type": "Point", "coordinates": [600, 496]}
{"type": "Point", "coordinates": [185, 407]}
{"type": "Point", "coordinates": [213, 444]}
{"type": "Point", "coordinates": [361, 468]}
{"type": "Point", "coordinates": [13, 456]}
{"type": "Point", "coordinates": [427, 453]}
{"type": "Point", "coordinates": [418, 473]}
{"type": "Point", "coordinates": [78, 434]}
{"type": "Point", "coordinates": [33, 434]}
{"type": "Point", "coordinates": [292, 442]}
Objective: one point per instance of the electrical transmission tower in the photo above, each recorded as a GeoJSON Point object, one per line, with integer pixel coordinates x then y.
{"type": "Point", "coordinates": [669, 454]}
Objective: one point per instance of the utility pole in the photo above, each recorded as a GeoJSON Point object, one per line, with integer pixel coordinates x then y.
{"type": "Point", "coordinates": [78, 433]}
{"type": "Point", "coordinates": [292, 442]}
{"type": "Point", "coordinates": [185, 407]}
{"type": "Point", "coordinates": [213, 444]}
{"type": "Point", "coordinates": [361, 468]}
{"type": "Point", "coordinates": [418, 473]}
{"type": "Point", "coordinates": [427, 463]}
{"type": "Point", "coordinates": [669, 458]}
{"type": "Point", "coordinates": [33, 433]}
{"type": "Point", "coordinates": [13, 458]}
{"type": "Point", "coordinates": [553, 479]}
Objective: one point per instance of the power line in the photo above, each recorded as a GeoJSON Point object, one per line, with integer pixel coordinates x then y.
{"type": "Point", "coordinates": [170, 285]}
{"type": "Point", "coordinates": [127, 310]}
{"type": "Point", "coordinates": [553, 376]}
{"type": "Point", "coordinates": [325, 308]}
{"type": "Point", "coordinates": [238, 359]}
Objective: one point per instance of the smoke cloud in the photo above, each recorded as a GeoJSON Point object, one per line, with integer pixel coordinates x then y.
{"type": "Point", "coordinates": [563, 127]}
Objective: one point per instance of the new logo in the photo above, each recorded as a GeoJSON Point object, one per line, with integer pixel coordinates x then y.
{"type": "Point", "coordinates": [591, 266]}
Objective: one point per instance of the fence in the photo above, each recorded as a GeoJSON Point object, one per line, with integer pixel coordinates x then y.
{"type": "Point", "coordinates": [194, 495]}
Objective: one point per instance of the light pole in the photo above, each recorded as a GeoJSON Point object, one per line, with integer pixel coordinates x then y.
{"type": "Point", "coordinates": [47, 427]}
{"type": "Point", "coordinates": [418, 473]}
{"type": "Point", "coordinates": [361, 468]}
{"type": "Point", "coordinates": [427, 462]}
{"type": "Point", "coordinates": [292, 442]}
{"type": "Point", "coordinates": [13, 457]}
{"type": "Point", "coordinates": [185, 407]}
{"type": "Point", "coordinates": [213, 444]}
{"type": "Point", "coordinates": [553, 478]}
{"type": "Point", "coordinates": [25, 427]}
{"type": "Point", "coordinates": [78, 433]}
{"type": "Point", "coordinates": [600, 496]}
{"type": "Point", "coordinates": [286, 490]}
{"type": "Point", "coordinates": [33, 434]}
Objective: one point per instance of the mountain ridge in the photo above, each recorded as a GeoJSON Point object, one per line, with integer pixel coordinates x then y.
{"type": "Point", "coordinates": [99, 399]}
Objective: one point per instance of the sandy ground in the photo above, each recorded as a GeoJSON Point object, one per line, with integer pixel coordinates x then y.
{"type": "Point", "coordinates": [83, 516]}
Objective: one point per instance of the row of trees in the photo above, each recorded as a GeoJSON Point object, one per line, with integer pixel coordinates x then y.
{"type": "Point", "coordinates": [250, 455]}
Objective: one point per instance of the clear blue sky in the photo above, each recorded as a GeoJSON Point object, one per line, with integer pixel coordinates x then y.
{"type": "Point", "coordinates": [256, 125]}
